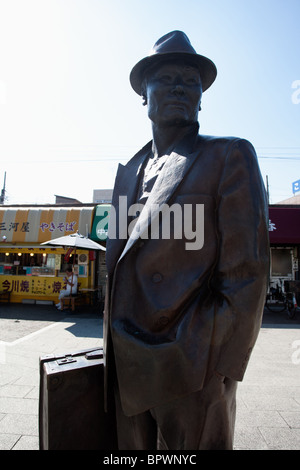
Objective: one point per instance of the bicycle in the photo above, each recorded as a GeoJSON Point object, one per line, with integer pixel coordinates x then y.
{"type": "Point", "coordinates": [278, 301]}
{"type": "Point", "coordinates": [291, 304]}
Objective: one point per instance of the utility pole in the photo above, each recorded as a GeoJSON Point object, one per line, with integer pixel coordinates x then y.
{"type": "Point", "coordinates": [2, 196]}
{"type": "Point", "coordinates": [268, 194]}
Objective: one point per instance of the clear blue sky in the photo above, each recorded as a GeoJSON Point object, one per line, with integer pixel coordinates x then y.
{"type": "Point", "coordinates": [68, 114]}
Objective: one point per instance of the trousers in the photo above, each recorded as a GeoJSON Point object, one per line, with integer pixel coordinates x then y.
{"type": "Point", "coordinates": [64, 293]}
{"type": "Point", "coordinates": [203, 420]}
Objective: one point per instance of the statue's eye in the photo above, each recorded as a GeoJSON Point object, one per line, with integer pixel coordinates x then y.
{"type": "Point", "coordinates": [165, 78]}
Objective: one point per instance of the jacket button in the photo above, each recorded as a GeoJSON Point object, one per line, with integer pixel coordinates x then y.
{"type": "Point", "coordinates": [157, 277]}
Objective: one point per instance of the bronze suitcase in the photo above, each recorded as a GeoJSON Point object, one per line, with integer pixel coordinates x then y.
{"type": "Point", "coordinates": [71, 403]}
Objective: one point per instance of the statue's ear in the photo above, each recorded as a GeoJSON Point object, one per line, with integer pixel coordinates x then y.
{"type": "Point", "coordinates": [144, 96]}
{"type": "Point", "coordinates": [144, 92]}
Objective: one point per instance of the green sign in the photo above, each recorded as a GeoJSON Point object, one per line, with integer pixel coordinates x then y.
{"type": "Point", "coordinates": [100, 224]}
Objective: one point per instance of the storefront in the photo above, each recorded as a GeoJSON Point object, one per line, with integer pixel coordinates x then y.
{"type": "Point", "coordinates": [99, 234]}
{"type": "Point", "coordinates": [284, 231]}
{"type": "Point", "coordinates": [33, 273]}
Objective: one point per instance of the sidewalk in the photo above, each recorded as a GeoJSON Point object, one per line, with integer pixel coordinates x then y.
{"type": "Point", "coordinates": [268, 401]}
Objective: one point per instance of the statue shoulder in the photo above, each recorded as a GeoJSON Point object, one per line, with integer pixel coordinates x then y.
{"type": "Point", "coordinates": [226, 143]}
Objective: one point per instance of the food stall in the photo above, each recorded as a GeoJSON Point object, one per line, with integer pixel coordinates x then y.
{"type": "Point", "coordinates": [33, 273]}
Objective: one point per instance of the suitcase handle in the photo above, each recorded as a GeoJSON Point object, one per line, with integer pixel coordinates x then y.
{"type": "Point", "coordinates": [93, 353]}
{"type": "Point", "coordinates": [97, 354]}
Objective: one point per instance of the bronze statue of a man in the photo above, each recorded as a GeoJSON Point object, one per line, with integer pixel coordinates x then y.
{"type": "Point", "coordinates": [187, 261]}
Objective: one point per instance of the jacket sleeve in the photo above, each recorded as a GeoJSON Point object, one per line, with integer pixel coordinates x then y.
{"type": "Point", "coordinates": [242, 270]}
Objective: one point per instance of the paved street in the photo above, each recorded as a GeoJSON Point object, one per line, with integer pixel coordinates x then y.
{"type": "Point", "coordinates": [268, 415]}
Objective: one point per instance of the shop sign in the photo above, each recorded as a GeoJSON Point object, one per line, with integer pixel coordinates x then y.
{"type": "Point", "coordinates": [44, 226]}
{"type": "Point", "coordinates": [100, 224]}
{"type": "Point", "coordinates": [284, 225]}
{"type": "Point", "coordinates": [296, 186]}
{"type": "Point", "coordinates": [27, 286]}
{"type": "Point", "coordinates": [33, 285]}
{"type": "Point", "coordinates": [57, 262]}
{"type": "Point", "coordinates": [14, 227]}
{"type": "Point", "coordinates": [272, 226]}
{"type": "Point", "coordinates": [68, 227]}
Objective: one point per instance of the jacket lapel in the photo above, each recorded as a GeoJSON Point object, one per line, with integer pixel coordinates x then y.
{"type": "Point", "coordinates": [124, 195]}
{"type": "Point", "coordinates": [174, 171]}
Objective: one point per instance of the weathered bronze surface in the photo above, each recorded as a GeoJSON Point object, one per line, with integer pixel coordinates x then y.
{"type": "Point", "coordinates": [183, 310]}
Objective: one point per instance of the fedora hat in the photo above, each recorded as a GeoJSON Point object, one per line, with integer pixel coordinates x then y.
{"type": "Point", "coordinates": [174, 45]}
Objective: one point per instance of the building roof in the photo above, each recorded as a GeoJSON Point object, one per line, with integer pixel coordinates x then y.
{"type": "Point", "coordinates": [292, 200]}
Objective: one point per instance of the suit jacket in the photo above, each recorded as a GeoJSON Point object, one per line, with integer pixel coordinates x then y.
{"type": "Point", "coordinates": [174, 315]}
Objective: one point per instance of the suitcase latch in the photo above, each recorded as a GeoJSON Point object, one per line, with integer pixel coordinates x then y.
{"type": "Point", "coordinates": [66, 360]}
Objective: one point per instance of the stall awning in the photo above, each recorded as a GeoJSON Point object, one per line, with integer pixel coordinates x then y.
{"type": "Point", "coordinates": [39, 224]}
{"type": "Point", "coordinates": [284, 225]}
{"type": "Point", "coordinates": [36, 225]}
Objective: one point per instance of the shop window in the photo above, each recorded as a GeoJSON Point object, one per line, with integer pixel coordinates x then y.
{"type": "Point", "coordinates": [281, 262]}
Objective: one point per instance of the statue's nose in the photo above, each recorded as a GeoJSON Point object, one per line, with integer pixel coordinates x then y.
{"type": "Point", "coordinates": [178, 90]}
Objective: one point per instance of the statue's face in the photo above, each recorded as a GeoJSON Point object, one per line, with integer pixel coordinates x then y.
{"type": "Point", "coordinates": [173, 94]}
